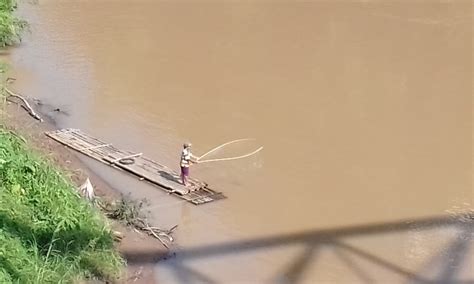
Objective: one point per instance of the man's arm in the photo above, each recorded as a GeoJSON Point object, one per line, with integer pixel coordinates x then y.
{"type": "Point", "coordinates": [194, 159]}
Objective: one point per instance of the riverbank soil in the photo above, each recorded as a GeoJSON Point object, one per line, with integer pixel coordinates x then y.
{"type": "Point", "coordinates": [133, 243]}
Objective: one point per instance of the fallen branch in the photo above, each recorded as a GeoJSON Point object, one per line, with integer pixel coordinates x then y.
{"type": "Point", "coordinates": [129, 213]}
{"type": "Point", "coordinates": [25, 104]}
{"type": "Point", "coordinates": [153, 233]}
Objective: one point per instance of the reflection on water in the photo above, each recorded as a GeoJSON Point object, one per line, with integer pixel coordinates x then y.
{"type": "Point", "coordinates": [364, 111]}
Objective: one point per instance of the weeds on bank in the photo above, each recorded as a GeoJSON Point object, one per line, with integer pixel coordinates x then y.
{"type": "Point", "coordinates": [11, 27]}
{"type": "Point", "coordinates": [48, 234]}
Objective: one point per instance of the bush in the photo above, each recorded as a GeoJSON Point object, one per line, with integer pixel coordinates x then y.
{"type": "Point", "coordinates": [48, 234]}
{"type": "Point", "coordinates": [11, 27]}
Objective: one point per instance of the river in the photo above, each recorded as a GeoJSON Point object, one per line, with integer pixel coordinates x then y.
{"type": "Point", "coordinates": [364, 110]}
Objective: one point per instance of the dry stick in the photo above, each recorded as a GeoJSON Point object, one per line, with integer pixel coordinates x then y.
{"type": "Point", "coordinates": [26, 105]}
{"type": "Point", "coordinates": [232, 158]}
{"type": "Point", "coordinates": [156, 236]}
{"type": "Point", "coordinates": [222, 145]}
{"type": "Point", "coordinates": [139, 225]}
{"type": "Point", "coordinates": [157, 233]}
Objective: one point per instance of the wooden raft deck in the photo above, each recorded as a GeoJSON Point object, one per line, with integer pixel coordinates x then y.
{"type": "Point", "coordinates": [134, 163]}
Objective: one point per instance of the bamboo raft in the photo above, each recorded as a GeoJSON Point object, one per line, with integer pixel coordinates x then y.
{"type": "Point", "coordinates": [197, 192]}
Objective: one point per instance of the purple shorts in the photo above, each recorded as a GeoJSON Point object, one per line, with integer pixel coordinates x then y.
{"type": "Point", "coordinates": [185, 171]}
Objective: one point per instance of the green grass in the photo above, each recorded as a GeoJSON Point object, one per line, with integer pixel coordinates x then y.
{"type": "Point", "coordinates": [48, 234]}
{"type": "Point", "coordinates": [11, 27]}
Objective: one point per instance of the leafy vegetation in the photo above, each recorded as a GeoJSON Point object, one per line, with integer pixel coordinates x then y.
{"type": "Point", "coordinates": [48, 234]}
{"type": "Point", "coordinates": [11, 27]}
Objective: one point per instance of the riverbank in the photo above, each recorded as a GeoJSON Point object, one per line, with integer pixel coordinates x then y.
{"type": "Point", "coordinates": [48, 233]}
{"type": "Point", "coordinates": [133, 243]}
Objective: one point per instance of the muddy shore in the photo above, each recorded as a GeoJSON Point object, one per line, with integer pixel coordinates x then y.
{"type": "Point", "coordinates": [133, 243]}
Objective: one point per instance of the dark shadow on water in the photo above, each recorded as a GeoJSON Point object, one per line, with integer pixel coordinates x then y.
{"type": "Point", "coordinates": [456, 254]}
{"type": "Point", "coordinates": [294, 272]}
{"type": "Point", "coordinates": [377, 260]}
{"type": "Point", "coordinates": [363, 276]}
{"type": "Point", "coordinates": [185, 274]}
{"type": "Point", "coordinates": [464, 223]}
{"type": "Point", "coordinates": [449, 260]}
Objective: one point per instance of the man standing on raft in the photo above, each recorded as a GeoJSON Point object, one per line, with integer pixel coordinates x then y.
{"type": "Point", "coordinates": [187, 158]}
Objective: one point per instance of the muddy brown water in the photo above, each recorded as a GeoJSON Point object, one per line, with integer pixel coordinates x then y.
{"type": "Point", "coordinates": [364, 110]}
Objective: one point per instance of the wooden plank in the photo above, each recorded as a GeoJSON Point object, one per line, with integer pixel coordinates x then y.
{"type": "Point", "coordinates": [162, 178]}
{"type": "Point", "coordinates": [142, 167]}
{"type": "Point", "coordinates": [95, 147]}
{"type": "Point", "coordinates": [118, 157]}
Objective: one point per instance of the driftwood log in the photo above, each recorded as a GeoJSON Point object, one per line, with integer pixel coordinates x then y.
{"type": "Point", "coordinates": [25, 105]}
